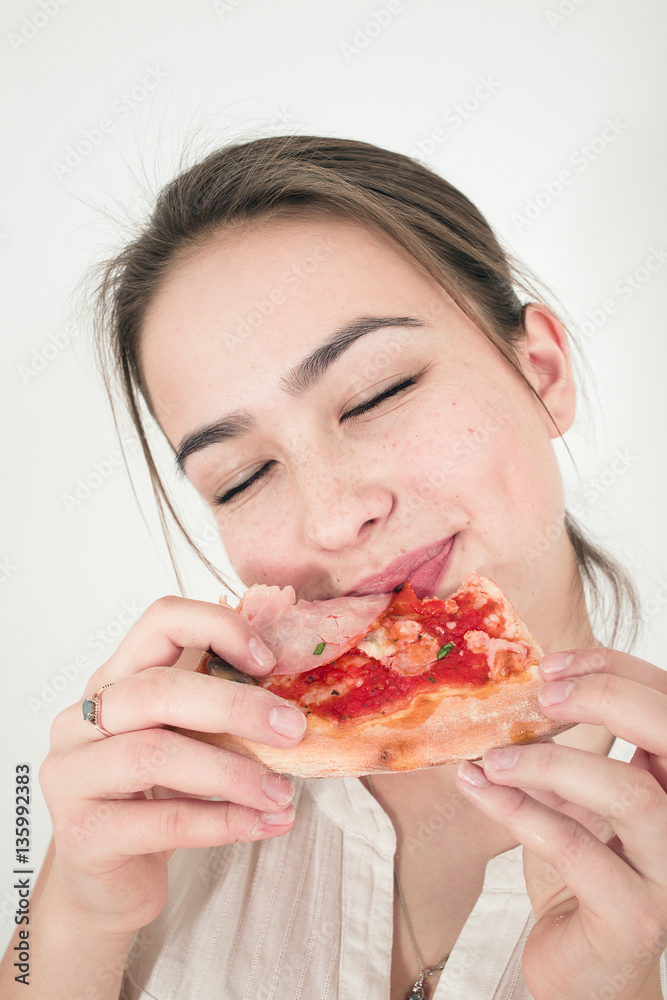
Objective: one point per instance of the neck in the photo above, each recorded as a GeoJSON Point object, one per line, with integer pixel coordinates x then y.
{"type": "Point", "coordinates": [556, 613]}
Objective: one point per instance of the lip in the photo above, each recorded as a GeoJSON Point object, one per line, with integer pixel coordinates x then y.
{"type": "Point", "coordinates": [423, 568]}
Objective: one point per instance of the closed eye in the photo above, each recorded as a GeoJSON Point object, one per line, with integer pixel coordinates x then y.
{"type": "Point", "coordinates": [227, 496]}
{"type": "Point", "coordinates": [370, 404]}
{"type": "Point", "coordinates": [393, 390]}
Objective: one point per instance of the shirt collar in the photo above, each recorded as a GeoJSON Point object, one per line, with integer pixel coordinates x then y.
{"type": "Point", "coordinates": [352, 808]}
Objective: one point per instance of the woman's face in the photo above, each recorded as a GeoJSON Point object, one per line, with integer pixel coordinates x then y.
{"type": "Point", "coordinates": [367, 460]}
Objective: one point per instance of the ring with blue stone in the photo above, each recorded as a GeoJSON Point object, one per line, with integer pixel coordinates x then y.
{"type": "Point", "coordinates": [91, 710]}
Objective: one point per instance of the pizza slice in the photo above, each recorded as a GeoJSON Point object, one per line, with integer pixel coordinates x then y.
{"type": "Point", "coordinates": [392, 682]}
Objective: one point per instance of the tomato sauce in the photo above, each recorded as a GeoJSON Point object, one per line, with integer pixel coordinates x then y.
{"type": "Point", "coordinates": [383, 686]}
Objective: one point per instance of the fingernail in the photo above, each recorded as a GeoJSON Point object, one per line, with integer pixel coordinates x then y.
{"type": "Point", "coordinates": [279, 819]}
{"type": "Point", "coordinates": [260, 653]}
{"type": "Point", "coordinates": [287, 721]}
{"type": "Point", "coordinates": [498, 760]}
{"type": "Point", "coordinates": [554, 692]}
{"type": "Point", "coordinates": [552, 663]}
{"type": "Point", "coordinates": [473, 774]}
{"type": "Point", "coordinates": [278, 788]}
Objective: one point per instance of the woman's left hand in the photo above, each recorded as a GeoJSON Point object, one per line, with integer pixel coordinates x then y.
{"type": "Point", "coordinates": [594, 831]}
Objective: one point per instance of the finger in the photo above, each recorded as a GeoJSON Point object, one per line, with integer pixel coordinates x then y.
{"type": "Point", "coordinates": [161, 696]}
{"type": "Point", "coordinates": [597, 825]}
{"type": "Point", "coordinates": [655, 765]}
{"type": "Point", "coordinates": [574, 662]}
{"type": "Point", "coordinates": [122, 828]}
{"type": "Point", "coordinates": [628, 797]}
{"type": "Point", "coordinates": [629, 710]}
{"type": "Point", "coordinates": [598, 877]}
{"type": "Point", "coordinates": [135, 762]}
{"type": "Point", "coordinates": [172, 624]}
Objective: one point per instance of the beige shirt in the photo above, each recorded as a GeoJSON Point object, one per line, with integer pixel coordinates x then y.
{"type": "Point", "coordinates": [309, 915]}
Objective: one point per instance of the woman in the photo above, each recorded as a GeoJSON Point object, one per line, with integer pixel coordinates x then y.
{"type": "Point", "coordinates": [322, 329]}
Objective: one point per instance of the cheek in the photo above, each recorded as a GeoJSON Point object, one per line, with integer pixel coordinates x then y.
{"type": "Point", "coordinates": [445, 447]}
{"type": "Point", "coordinates": [256, 543]}
{"type": "Point", "coordinates": [489, 461]}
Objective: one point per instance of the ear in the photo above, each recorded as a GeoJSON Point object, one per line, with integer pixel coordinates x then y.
{"type": "Point", "coordinates": [545, 359]}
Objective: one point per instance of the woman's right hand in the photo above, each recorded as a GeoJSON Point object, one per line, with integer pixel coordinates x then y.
{"type": "Point", "coordinates": [113, 838]}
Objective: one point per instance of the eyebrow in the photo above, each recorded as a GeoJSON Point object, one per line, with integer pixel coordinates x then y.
{"type": "Point", "coordinates": [302, 377]}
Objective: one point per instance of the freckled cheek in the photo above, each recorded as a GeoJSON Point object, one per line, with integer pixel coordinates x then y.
{"type": "Point", "coordinates": [430, 448]}
{"type": "Point", "coordinates": [417, 457]}
{"type": "Point", "coordinates": [465, 456]}
{"type": "Point", "coordinates": [259, 543]}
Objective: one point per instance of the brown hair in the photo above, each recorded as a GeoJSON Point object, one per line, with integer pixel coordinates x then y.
{"type": "Point", "coordinates": [433, 222]}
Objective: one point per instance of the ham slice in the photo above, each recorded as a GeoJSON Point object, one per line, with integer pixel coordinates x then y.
{"type": "Point", "coordinates": [294, 629]}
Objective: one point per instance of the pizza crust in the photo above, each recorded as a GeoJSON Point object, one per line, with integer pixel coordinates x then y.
{"type": "Point", "coordinates": [445, 726]}
{"type": "Point", "coordinates": [434, 729]}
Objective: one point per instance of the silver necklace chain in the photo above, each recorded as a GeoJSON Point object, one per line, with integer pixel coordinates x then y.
{"type": "Point", "coordinates": [417, 991]}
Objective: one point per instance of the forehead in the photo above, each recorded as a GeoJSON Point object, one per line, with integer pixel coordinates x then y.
{"type": "Point", "coordinates": [249, 304]}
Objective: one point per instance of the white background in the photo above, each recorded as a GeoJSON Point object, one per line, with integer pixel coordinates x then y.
{"type": "Point", "coordinates": [234, 71]}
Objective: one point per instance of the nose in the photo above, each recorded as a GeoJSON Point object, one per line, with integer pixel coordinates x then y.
{"type": "Point", "coordinates": [340, 508]}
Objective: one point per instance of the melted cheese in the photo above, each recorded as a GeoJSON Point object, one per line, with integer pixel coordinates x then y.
{"type": "Point", "coordinates": [403, 647]}
{"type": "Point", "coordinates": [378, 644]}
{"type": "Point", "coordinates": [316, 695]}
{"type": "Point", "coordinates": [503, 657]}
